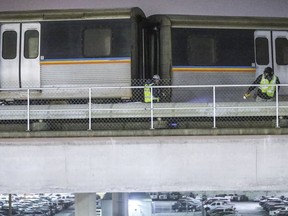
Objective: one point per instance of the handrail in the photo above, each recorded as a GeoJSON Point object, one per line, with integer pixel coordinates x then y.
{"type": "Point", "coordinates": [151, 110]}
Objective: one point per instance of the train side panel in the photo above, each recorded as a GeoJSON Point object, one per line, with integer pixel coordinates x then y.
{"type": "Point", "coordinates": [203, 50]}
{"type": "Point", "coordinates": [72, 53]}
{"type": "Point", "coordinates": [93, 73]}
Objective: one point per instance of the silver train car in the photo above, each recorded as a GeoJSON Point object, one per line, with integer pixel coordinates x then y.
{"type": "Point", "coordinates": [210, 50]}
{"type": "Point", "coordinates": [71, 49]}
{"type": "Point", "coordinates": [122, 47]}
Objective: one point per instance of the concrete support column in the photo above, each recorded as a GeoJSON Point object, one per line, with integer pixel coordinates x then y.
{"type": "Point", "coordinates": [120, 204]}
{"type": "Point", "coordinates": [85, 204]}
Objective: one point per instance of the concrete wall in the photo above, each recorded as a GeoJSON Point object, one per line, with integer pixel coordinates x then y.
{"type": "Point", "coordinates": [128, 164]}
{"type": "Point", "coordinates": [267, 8]}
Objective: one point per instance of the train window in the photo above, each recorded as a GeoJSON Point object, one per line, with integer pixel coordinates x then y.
{"type": "Point", "coordinates": [281, 51]}
{"type": "Point", "coordinates": [97, 42]}
{"type": "Point", "coordinates": [85, 39]}
{"type": "Point", "coordinates": [212, 47]}
{"type": "Point", "coordinates": [262, 51]}
{"type": "Point", "coordinates": [31, 44]}
{"type": "Point", "coordinates": [201, 51]}
{"type": "Point", "coordinates": [9, 45]}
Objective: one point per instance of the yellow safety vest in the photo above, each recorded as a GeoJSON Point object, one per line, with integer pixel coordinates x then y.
{"type": "Point", "coordinates": [147, 94]}
{"type": "Point", "coordinates": [268, 87]}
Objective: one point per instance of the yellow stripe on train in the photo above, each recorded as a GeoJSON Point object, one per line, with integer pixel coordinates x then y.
{"type": "Point", "coordinates": [249, 70]}
{"type": "Point", "coordinates": [85, 62]}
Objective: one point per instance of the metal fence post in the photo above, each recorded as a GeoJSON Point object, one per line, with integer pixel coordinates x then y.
{"type": "Point", "coordinates": [277, 107]}
{"type": "Point", "coordinates": [28, 109]}
{"type": "Point", "coordinates": [90, 110]}
{"type": "Point", "coordinates": [151, 108]}
{"type": "Point", "coordinates": [214, 107]}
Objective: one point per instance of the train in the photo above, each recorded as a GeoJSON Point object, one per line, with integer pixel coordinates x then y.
{"type": "Point", "coordinates": [72, 50]}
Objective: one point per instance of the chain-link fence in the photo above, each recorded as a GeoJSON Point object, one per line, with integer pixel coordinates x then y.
{"type": "Point", "coordinates": [124, 108]}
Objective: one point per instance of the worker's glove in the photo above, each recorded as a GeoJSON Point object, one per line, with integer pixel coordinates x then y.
{"type": "Point", "coordinates": [246, 95]}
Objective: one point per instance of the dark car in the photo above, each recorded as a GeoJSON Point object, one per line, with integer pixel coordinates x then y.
{"type": "Point", "coordinates": [175, 196]}
{"type": "Point", "coordinates": [186, 205]}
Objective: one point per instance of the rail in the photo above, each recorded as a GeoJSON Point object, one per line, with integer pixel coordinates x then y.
{"type": "Point", "coordinates": [182, 107]}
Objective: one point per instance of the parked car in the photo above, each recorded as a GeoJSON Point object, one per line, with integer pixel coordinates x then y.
{"type": "Point", "coordinates": [225, 196]}
{"type": "Point", "coordinates": [186, 205]}
{"type": "Point", "coordinates": [270, 202]}
{"type": "Point", "coordinates": [175, 196]}
{"type": "Point", "coordinates": [270, 199]}
{"type": "Point", "coordinates": [213, 199]}
{"type": "Point", "coordinates": [276, 211]}
{"type": "Point", "coordinates": [219, 211]}
{"type": "Point", "coordinates": [282, 213]}
{"type": "Point", "coordinates": [259, 198]}
{"type": "Point", "coordinates": [154, 195]}
{"type": "Point", "coordinates": [217, 204]}
{"type": "Point", "coordinates": [163, 196]}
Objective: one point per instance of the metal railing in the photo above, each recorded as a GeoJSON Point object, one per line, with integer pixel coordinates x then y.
{"type": "Point", "coordinates": [208, 106]}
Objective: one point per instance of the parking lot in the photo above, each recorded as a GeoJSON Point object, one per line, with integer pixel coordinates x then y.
{"type": "Point", "coordinates": [161, 208]}
{"type": "Point", "coordinates": [37, 204]}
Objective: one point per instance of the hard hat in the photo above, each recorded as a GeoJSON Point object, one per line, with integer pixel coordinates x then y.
{"type": "Point", "coordinates": [156, 77]}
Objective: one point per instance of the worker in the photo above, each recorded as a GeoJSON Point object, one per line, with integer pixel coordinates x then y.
{"type": "Point", "coordinates": [266, 90]}
{"type": "Point", "coordinates": [156, 92]}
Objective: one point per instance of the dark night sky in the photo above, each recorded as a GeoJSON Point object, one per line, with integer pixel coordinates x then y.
{"type": "Point", "coordinates": [268, 8]}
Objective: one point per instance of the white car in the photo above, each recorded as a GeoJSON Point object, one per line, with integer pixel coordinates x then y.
{"type": "Point", "coordinates": [217, 204]}
{"type": "Point", "coordinates": [275, 212]}
{"type": "Point", "coordinates": [213, 199]}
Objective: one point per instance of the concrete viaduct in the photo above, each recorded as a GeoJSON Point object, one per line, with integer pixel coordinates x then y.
{"type": "Point", "coordinates": [143, 160]}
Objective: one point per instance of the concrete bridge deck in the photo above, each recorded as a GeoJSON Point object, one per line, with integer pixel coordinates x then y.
{"type": "Point", "coordinates": [143, 163]}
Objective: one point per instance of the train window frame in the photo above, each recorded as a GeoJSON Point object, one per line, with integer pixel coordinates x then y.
{"type": "Point", "coordinates": [31, 44]}
{"type": "Point", "coordinates": [98, 49]}
{"type": "Point", "coordinates": [281, 49]}
{"type": "Point", "coordinates": [262, 51]}
{"type": "Point", "coordinates": [9, 48]}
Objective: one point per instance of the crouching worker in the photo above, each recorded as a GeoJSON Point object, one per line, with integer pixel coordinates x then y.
{"type": "Point", "coordinates": [266, 90]}
{"type": "Point", "coordinates": [155, 93]}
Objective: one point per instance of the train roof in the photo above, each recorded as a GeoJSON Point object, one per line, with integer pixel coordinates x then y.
{"type": "Point", "coordinates": [221, 21]}
{"type": "Point", "coordinates": [70, 14]}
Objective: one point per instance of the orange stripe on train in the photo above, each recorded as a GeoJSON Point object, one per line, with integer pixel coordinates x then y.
{"type": "Point", "coordinates": [84, 62]}
{"type": "Point", "coordinates": [248, 70]}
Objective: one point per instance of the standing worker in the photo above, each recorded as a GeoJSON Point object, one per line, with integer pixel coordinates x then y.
{"type": "Point", "coordinates": [156, 92]}
{"type": "Point", "coordinates": [266, 90]}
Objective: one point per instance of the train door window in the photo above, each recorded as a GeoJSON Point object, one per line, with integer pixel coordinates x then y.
{"type": "Point", "coordinates": [201, 51]}
{"type": "Point", "coordinates": [9, 45]}
{"type": "Point", "coordinates": [31, 47]}
{"type": "Point", "coordinates": [281, 51]}
{"type": "Point", "coordinates": [97, 42]}
{"type": "Point", "coordinates": [262, 51]}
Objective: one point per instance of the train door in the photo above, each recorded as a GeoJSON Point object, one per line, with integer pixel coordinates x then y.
{"type": "Point", "coordinates": [150, 46]}
{"type": "Point", "coordinates": [20, 51]}
{"type": "Point", "coordinates": [271, 49]}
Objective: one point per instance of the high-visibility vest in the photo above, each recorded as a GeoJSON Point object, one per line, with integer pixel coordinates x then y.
{"type": "Point", "coordinates": [147, 94]}
{"type": "Point", "coordinates": [267, 86]}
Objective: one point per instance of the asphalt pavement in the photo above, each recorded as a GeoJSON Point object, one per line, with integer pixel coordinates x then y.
{"type": "Point", "coordinates": [67, 212]}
